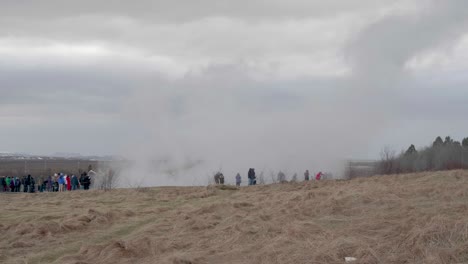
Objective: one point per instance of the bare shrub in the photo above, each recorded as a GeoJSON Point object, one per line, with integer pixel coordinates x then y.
{"type": "Point", "coordinates": [106, 180]}
{"type": "Point", "coordinates": [387, 161]}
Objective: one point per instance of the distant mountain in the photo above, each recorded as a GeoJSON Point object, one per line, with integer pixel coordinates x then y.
{"type": "Point", "coordinates": [66, 155]}
{"type": "Point", "coordinates": [6, 155]}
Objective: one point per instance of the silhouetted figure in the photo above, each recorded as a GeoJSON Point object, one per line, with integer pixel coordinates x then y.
{"type": "Point", "coordinates": [221, 178]}
{"type": "Point", "coordinates": [32, 184]}
{"type": "Point", "coordinates": [4, 188]}
{"type": "Point", "coordinates": [25, 181]}
{"type": "Point", "coordinates": [238, 180]}
{"type": "Point", "coordinates": [86, 182]}
{"type": "Point", "coordinates": [49, 183]}
{"type": "Point", "coordinates": [27, 184]}
{"type": "Point", "coordinates": [17, 184]}
{"type": "Point", "coordinates": [82, 177]}
{"type": "Point", "coordinates": [12, 184]}
{"type": "Point", "coordinates": [252, 177]}
{"type": "Point", "coordinates": [216, 178]}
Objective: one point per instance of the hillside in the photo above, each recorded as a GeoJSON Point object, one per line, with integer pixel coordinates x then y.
{"type": "Point", "coordinates": [418, 218]}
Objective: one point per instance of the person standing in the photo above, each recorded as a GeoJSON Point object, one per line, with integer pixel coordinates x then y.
{"type": "Point", "coordinates": [12, 184]}
{"type": "Point", "coordinates": [25, 183]}
{"type": "Point", "coordinates": [318, 176]}
{"type": "Point", "coordinates": [55, 186]}
{"type": "Point", "coordinates": [49, 183]}
{"type": "Point", "coordinates": [3, 184]}
{"type": "Point", "coordinates": [75, 183]}
{"type": "Point", "coordinates": [8, 182]}
{"type": "Point", "coordinates": [217, 178]}
{"type": "Point", "coordinates": [32, 184]}
{"type": "Point", "coordinates": [87, 182]}
{"type": "Point", "coordinates": [306, 175]}
{"type": "Point", "coordinates": [17, 184]}
{"type": "Point", "coordinates": [238, 180]}
{"type": "Point", "coordinates": [82, 179]}
{"type": "Point", "coordinates": [251, 176]}
{"type": "Point", "coordinates": [61, 182]}
{"type": "Point", "coordinates": [69, 187]}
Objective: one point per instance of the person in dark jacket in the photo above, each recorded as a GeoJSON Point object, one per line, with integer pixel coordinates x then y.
{"type": "Point", "coordinates": [24, 180]}
{"type": "Point", "coordinates": [17, 184]}
{"type": "Point", "coordinates": [86, 182]}
{"type": "Point", "coordinates": [306, 175]}
{"type": "Point", "coordinates": [3, 184]}
{"type": "Point", "coordinates": [32, 184]}
{"type": "Point", "coordinates": [82, 178]}
{"type": "Point", "coordinates": [75, 183]}
{"type": "Point", "coordinates": [216, 178]}
{"type": "Point", "coordinates": [251, 176]}
{"type": "Point", "coordinates": [12, 184]}
{"type": "Point", "coordinates": [55, 186]}
{"type": "Point", "coordinates": [49, 183]}
{"type": "Point", "coordinates": [221, 179]}
{"type": "Point", "coordinates": [27, 184]}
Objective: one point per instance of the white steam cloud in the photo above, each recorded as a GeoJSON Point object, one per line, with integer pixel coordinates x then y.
{"type": "Point", "coordinates": [223, 117]}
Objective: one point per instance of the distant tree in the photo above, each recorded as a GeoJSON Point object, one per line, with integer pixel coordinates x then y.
{"type": "Point", "coordinates": [448, 141]}
{"type": "Point", "coordinates": [438, 142]}
{"type": "Point", "coordinates": [465, 142]}
{"type": "Point", "coordinates": [411, 150]}
{"type": "Point", "coordinates": [387, 161]}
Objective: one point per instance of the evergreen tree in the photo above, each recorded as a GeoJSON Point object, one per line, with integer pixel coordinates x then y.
{"type": "Point", "coordinates": [465, 142]}
{"type": "Point", "coordinates": [411, 150]}
{"type": "Point", "coordinates": [438, 142]}
{"type": "Point", "coordinates": [448, 141]}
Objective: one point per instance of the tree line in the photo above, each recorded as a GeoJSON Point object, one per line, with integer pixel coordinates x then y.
{"type": "Point", "coordinates": [445, 154]}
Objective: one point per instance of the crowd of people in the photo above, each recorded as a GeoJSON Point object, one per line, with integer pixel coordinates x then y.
{"type": "Point", "coordinates": [252, 178]}
{"type": "Point", "coordinates": [59, 182]}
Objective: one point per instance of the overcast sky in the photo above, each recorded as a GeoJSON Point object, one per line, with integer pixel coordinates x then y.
{"type": "Point", "coordinates": [220, 80]}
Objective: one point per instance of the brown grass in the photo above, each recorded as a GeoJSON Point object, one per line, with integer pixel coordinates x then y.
{"type": "Point", "coordinates": [418, 218]}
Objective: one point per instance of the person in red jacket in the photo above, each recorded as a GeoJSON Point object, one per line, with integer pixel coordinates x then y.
{"type": "Point", "coordinates": [318, 176]}
{"type": "Point", "coordinates": [68, 183]}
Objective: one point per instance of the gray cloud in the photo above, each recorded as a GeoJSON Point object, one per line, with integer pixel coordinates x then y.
{"type": "Point", "coordinates": [185, 10]}
{"type": "Point", "coordinates": [283, 85]}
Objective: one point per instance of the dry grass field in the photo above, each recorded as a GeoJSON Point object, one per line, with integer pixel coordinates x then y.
{"type": "Point", "coordinates": [418, 218]}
